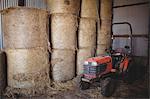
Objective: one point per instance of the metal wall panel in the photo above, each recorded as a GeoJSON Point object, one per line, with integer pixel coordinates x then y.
{"type": "Point", "coordinates": [127, 2]}
{"type": "Point", "coordinates": [8, 3]}
{"type": "Point", "coordinates": [121, 43]}
{"type": "Point", "coordinates": [3, 5]}
{"type": "Point", "coordinates": [138, 16]}
{"type": "Point", "coordinates": [36, 4]}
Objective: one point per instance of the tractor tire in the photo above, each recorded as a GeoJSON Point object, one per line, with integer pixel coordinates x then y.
{"type": "Point", "coordinates": [84, 85]}
{"type": "Point", "coordinates": [108, 86]}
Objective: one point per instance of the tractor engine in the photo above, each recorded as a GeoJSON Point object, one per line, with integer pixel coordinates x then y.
{"type": "Point", "coordinates": [97, 66]}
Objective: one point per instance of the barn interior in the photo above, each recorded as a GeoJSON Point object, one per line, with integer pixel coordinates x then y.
{"type": "Point", "coordinates": [74, 49]}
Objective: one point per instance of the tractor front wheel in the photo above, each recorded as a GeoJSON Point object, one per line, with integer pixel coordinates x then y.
{"type": "Point", "coordinates": [84, 85]}
{"type": "Point", "coordinates": [108, 86]}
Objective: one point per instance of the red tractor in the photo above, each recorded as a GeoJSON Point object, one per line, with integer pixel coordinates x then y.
{"type": "Point", "coordinates": [107, 69]}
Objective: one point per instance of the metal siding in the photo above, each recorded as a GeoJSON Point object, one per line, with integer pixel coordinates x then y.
{"type": "Point", "coordinates": [36, 4]}
{"type": "Point", "coordinates": [127, 2]}
{"type": "Point", "coordinates": [121, 29]}
{"type": "Point", "coordinates": [121, 42]}
{"type": "Point", "coordinates": [140, 46]}
{"type": "Point", "coordinates": [138, 16]}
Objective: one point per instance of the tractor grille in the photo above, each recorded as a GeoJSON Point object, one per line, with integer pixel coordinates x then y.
{"type": "Point", "coordinates": [88, 69]}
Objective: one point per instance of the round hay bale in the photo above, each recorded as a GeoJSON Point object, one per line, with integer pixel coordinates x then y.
{"type": "Point", "coordinates": [2, 71]}
{"type": "Point", "coordinates": [87, 33]}
{"type": "Point", "coordinates": [27, 68]}
{"type": "Point", "coordinates": [64, 6]}
{"type": "Point", "coordinates": [104, 39]}
{"type": "Point", "coordinates": [82, 55]}
{"type": "Point", "coordinates": [63, 31]}
{"type": "Point", "coordinates": [106, 9]}
{"type": "Point", "coordinates": [25, 27]}
{"type": "Point", "coordinates": [101, 49]}
{"type": "Point", "coordinates": [63, 65]}
{"type": "Point", "coordinates": [106, 26]}
{"type": "Point", "coordinates": [89, 9]}
{"type": "Point", "coordinates": [104, 33]}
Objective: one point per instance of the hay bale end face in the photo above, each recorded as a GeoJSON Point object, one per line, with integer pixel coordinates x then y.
{"type": "Point", "coordinates": [63, 65]}
{"type": "Point", "coordinates": [63, 31]}
{"type": "Point", "coordinates": [27, 29]}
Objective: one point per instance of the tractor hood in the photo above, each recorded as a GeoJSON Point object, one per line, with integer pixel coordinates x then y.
{"type": "Point", "coordinates": [100, 59]}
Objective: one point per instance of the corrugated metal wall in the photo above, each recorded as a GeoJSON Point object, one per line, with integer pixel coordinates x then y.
{"type": "Point", "coordinates": [13, 3]}
{"type": "Point", "coordinates": [3, 5]}
{"type": "Point", "coordinates": [8, 3]}
{"type": "Point", "coordinates": [36, 4]}
{"type": "Point", "coordinates": [137, 14]}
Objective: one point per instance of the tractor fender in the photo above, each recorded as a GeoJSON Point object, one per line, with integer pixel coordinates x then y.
{"type": "Point", "coordinates": [124, 65]}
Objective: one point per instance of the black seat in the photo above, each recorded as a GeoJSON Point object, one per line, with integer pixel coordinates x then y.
{"type": "Point", "coordinates": [115, 60]}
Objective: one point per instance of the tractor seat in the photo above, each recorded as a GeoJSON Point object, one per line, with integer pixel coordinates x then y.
{"type": "Point", "coordinates": [116, 58]}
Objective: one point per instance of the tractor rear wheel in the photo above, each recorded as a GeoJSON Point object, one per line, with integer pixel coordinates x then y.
{"type": "Point", "coordinates": [84, 85]}
{"type": "Point", "coordinates": [108, 86]}
{"type": "Point", "coordinates": [128, 75]}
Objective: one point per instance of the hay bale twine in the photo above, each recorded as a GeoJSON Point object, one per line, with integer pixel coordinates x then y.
{"type": "Point", "coordinates": [101, 49]}
{"type": "Point", "coordinates": [89, 9]}
{"type": "Point", "coordinates": [2, 71]}
{"type": "Point", "coordinates": [27, 68]}
{"type": "Point", "coordinates": [64, 6]}
{"type": "Point", "coordinates": [87, 33]}
{"type": "Point", "coordinates": [63, 31]}
{"type": "Point", "coordinates": [106, 9]}
{"type": "Point", "coordinates": [82, 55]}
{"type": "Point", "coordinates": [25, 27]}
{"type": "Point", "coordinates": [63, 65]}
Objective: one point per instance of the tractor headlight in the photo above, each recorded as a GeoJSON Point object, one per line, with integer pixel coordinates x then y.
{"type": "Point", "coordinates": [94, 63]}
{"type": "Point", "coordinates": [86, 63]}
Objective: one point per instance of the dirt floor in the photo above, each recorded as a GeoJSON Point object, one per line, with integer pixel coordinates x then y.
{"type": "Point", "coordinates": [138, 89]}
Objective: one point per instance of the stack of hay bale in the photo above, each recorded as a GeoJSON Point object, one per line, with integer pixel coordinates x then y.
{"type": "Point", "coordinates": [104, 31]}
{"type": "Point", "coordinates": [2, 72]}
{"type": "Point", "coordinates": [25, 43]}
{"type": "Point", "coordinates": [87, 33]}
{"type": "Point", "coordinates": [63, 37]}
